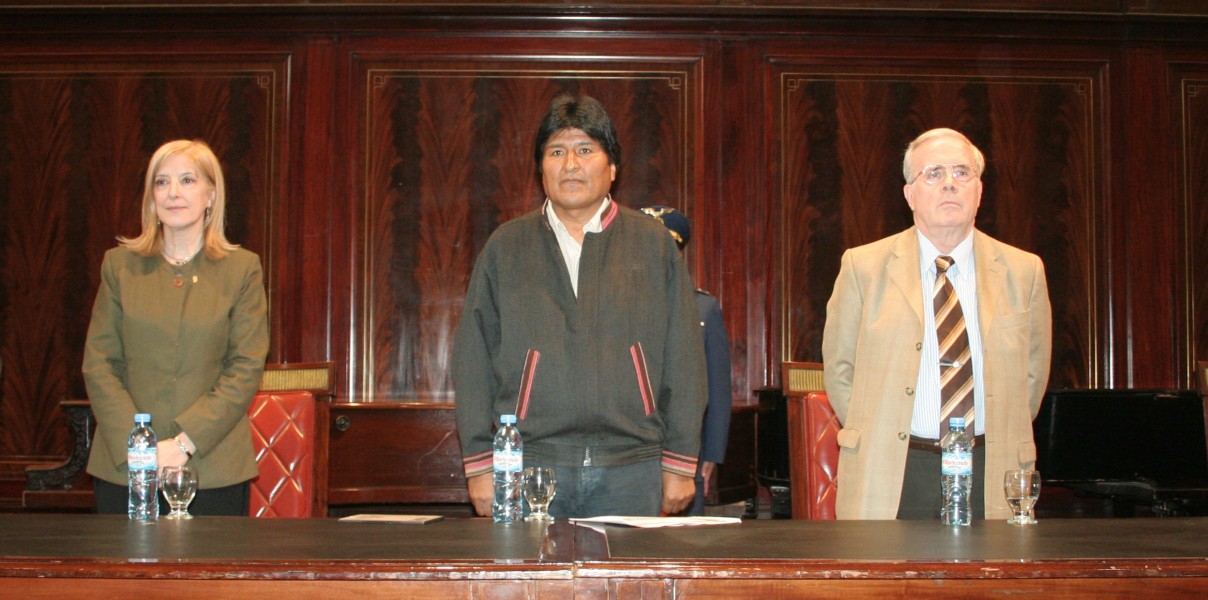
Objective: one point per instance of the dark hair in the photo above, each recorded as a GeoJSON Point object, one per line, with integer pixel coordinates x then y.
{"type": "Point", "coordinates": [583, 113]}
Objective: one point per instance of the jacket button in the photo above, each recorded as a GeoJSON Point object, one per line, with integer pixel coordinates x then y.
{"type": "Point", "coordinates": [902, 436]}
{"type": "Point", "coordinates": [918, 346]}
{"type": "Point", "coordinates": [909, 391]}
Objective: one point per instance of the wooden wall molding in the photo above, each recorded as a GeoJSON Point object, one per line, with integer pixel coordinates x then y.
{"type": "Point", "coordinates": [840, 131]}
{"type": "Point", "coordinates": [77, 131]}
{"type": "Point", "coordinates": [1161, 8]}
{"type": "Point", "coordinates": [1190, 88]}
{"type": "Point", "coordinates": [448, 157]}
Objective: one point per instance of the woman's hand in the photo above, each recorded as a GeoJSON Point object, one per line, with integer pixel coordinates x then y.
{"type": "Point", "coordinates": [170, 454]}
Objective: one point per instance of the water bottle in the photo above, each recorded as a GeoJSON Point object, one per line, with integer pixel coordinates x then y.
{"type": "Point", "coordinates": [956, 474]}
{"type": "Point", "coordinates": [509, 462]}
{"type": "Point", "coordinates": [142, 458]}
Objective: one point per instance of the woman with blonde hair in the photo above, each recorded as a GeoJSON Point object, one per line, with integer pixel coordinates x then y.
{"type": "Point", "coordinates": [179, 330]}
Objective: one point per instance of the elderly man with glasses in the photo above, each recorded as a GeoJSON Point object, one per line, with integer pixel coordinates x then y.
{"type": "Point", "coordinates": [938, 321]}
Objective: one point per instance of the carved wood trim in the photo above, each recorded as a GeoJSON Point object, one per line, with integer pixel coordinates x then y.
{"type": "Point", "coordinates": [66, 475]}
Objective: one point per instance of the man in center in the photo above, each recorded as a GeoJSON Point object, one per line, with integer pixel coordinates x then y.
{"type": "Point", "coordinates": [580, 320]}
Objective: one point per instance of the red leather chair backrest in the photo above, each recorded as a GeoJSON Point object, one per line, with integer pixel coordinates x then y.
{"type": "Point", "coordinates": [813, 443]}
{"type": "Point", "coordinates": [283, 436]}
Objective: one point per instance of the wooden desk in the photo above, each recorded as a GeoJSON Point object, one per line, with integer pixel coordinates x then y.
{"type": "Point", "coordinates": [844, 559]}
{"type": "Point", "coordinates": [91, 556]}
{"type": "Point", "coordinates": [94, 556]}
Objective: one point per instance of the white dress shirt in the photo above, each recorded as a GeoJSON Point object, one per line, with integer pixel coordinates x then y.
{"type": "Point", "coordinates": [572, 249]}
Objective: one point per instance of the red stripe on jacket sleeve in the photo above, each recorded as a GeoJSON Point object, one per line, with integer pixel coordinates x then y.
{"type": "Point", "coordinates": [680, 464]}
{"type": "Point", "coordinates": [478, 464]}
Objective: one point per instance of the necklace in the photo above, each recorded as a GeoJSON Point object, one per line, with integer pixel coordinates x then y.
{"type": "Point", "coordinates": [178, 261]}
{"type": "Point", "coordinates": [179, 279]}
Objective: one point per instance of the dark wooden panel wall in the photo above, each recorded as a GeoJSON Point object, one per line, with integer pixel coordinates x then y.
{"type": "Point", "coordinates": [837, 135]}
{"type": "Point", "coordinates": [371, 150]}
{"type": "Point", "coordinates": [448, 156]}
{"type": "Point", "coordinates": [1189, 84]}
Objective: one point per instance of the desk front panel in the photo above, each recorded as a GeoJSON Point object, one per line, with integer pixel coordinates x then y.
{"type": "Point", "coordinates": [89, 555]}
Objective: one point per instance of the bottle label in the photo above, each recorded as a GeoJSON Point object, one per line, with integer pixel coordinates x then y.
{"type": "Point", "coordinates": [957, 463]}
{"type": "Point", "coordinates": [509, 461]}
{"type": "Point", "coordinates": [142, 459]}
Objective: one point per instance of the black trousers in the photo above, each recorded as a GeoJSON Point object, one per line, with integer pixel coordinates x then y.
{"type": "Point", "coordinates": [229, 501]}
{"type": "Point", "coordinates": [921, 495]}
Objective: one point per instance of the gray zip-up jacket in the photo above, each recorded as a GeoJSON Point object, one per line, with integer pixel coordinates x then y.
{"type": "Point", "coordinates": [610, 378]}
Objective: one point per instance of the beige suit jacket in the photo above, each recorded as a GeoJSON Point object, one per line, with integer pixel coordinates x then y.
{"type": "Point", "coordinates": [871, 349]}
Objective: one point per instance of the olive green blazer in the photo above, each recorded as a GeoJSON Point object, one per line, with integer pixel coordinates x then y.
{"type": "Point", "coordinates": [191, 355]}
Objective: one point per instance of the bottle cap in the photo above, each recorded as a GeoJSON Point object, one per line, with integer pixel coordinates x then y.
{"type": "Point", "coordinates": [956, 422]}
{"type": "Point", "coordinates": [507, 419]}
{"type": "Point", "coordinates": [142, 418]}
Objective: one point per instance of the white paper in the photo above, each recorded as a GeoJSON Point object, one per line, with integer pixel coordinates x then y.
{"type": "Point", "coordinates": [660, 521]}
{"type": "Point", "coordinates": [403, 519]}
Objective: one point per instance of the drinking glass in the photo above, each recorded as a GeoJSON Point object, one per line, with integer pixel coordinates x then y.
{"type": "Point", "coordinates": [1022, 488]}
{"type": "Point", "coordinates": [179, 485]}
{"type": "Point", "coordinates": [540, 485]}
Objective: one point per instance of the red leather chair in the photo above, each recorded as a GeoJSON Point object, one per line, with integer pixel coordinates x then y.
{"type": "Point", "coordinates": [288, 418]}
{"type": "Point", "coordinates": [813, 445]}
{"type": "Point", "coordinates": [283, 425]}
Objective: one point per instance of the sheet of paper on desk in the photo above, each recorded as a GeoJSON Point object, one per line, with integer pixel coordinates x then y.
{"type": "Point", "coordinates": [660, 521]}
{"type": "Point", "coordinates": [403, 519]}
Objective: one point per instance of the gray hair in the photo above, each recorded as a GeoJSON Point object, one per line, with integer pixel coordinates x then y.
{"type": "Point", "coordinates": [908, 170]}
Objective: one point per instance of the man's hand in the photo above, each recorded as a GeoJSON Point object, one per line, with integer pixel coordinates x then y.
{"type": "Point", "coordinates": [706, 473]}
{"type": "Point", "coordinates": [678, 493]}
{"type": "Point", "coordinates": [482, 492]}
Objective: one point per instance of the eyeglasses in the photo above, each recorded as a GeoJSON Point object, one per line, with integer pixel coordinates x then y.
{"type": "Point", "coordinates": [933, 174]}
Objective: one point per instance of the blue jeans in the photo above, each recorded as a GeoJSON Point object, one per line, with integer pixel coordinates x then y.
{"type": "Point", "coordinates": [631, 490]}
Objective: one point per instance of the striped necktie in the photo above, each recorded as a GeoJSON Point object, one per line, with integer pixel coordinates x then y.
{"type": "Point", "coordinates": [956, 370]}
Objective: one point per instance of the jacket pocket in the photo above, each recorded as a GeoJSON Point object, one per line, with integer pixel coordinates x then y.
{"type": "Point", "coordinates": [848, 438]}
{"type": "Point", "coordinates": [526, 383]}
{"type": "Point", "coordinates": [639, 366]}
{"type": "Point", "coordinates": [1012, 320]}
